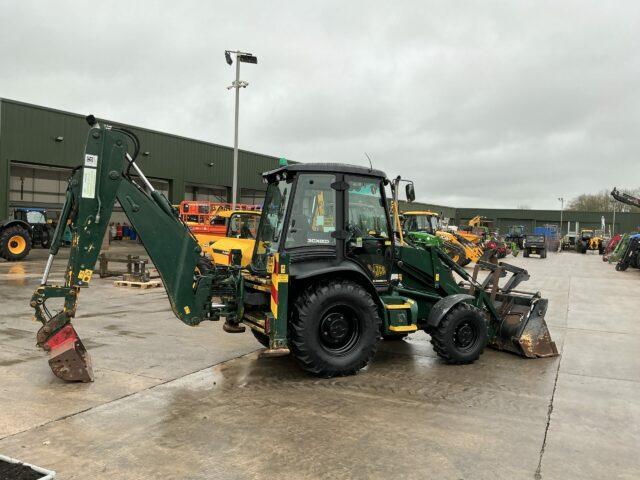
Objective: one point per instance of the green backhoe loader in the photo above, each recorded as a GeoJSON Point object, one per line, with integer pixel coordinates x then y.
{"type": "Point", "coordinates": [322, 287]}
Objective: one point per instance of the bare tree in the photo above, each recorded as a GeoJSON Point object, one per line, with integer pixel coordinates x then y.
{"type": "Point", "coordinates": [601, 202]}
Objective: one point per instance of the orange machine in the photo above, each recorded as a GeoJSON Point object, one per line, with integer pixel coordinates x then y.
{"type": "Point", "coordinates": [203, 217]}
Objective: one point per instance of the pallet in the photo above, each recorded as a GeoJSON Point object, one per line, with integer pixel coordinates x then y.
{"type": "Point", "coordinates": [140, 285]}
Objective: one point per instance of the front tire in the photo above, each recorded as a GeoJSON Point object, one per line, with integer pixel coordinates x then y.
{"type": "Point", "coordinates": [15, 243]}
{"type": "Point", "coordinates": [334, 328]}
{"type": "Point", "coordinates": [461, 336]}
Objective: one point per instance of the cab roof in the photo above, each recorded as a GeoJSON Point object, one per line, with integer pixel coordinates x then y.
{"type": "Point", "coordinates": [228, 213]}
{"type": "Point", "coordinates": [421, 212]}
{"type": "Point", "coordinates": [327, 168]}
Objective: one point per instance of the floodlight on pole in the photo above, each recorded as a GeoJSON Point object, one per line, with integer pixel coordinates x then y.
{"type": "Point", "coordinates": [237, 84]}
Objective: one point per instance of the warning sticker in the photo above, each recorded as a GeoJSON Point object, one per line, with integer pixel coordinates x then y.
{"type": "Point", "coordinates": [89, 183]}
{"type": "Point", "coordinates": [90, 160]}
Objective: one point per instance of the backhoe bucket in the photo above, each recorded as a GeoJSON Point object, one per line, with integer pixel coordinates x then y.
{"type": "Point", "coordinates": [68, 358]}
{"type": "Point", "coordinates": [523, 329]}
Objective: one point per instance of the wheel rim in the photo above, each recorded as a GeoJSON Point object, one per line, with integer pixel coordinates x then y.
{"type": "Point", "coordinates": [465, 336]}
{"type": "Point", "coordinates": [339, 330]}
{"type": "Point", "coordinates": [17, 244]}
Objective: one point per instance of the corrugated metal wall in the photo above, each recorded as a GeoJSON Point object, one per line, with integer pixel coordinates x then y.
{"type": "Point", "coordinates": [504, 218]}
{"type": "Point", "coordinates": [28, 133]}
{"type": "Point", "coordinates": [444, 211]}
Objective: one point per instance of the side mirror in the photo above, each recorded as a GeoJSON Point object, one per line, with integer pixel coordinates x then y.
{"type": "Point", "coordinates": [410, 192]}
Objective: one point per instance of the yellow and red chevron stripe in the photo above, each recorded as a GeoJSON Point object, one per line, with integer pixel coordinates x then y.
{"type": "Point", "coordinates": [278, 275]}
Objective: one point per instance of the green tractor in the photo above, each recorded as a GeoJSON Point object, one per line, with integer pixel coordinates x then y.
{"type": "Point", "coordinates": [422, 231]}
{"type": "Point", "coordinates": [323, 288]}
{"type": "Point", "coordinates": [28, 228]}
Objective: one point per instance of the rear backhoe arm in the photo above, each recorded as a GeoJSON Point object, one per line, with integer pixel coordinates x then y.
{"type": "Point", "coordinates": [93, 189]}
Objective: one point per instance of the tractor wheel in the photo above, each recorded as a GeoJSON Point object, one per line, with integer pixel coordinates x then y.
{"type": "Point", "coordinates": [461, 335]}
{"type": "Point", "coordinates": [584, 248]}
{"type": "Point", "coordinates": [601, 249]}
{"type": "Point", "coordinates": [543, 254]}
{"type": "Point", "coordinates": [622, 266]}
{"type": "Point", "coordinates": [46, 239]}
{"type": "Point", "coordinates": [15, 243]}
{"type": "Point", "coordinates": [261, 337]}
{"type": "Point", "coordinates": [334, 328]}
{"type": "Point", "coordinates": [526, 254]}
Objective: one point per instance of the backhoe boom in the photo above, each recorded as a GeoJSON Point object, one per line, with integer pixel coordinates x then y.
{"type": "Point", "coordinates": [93, 189]}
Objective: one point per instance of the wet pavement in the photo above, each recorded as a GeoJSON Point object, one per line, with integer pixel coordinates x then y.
{"type": "Point", "coordinates": [177, 402]}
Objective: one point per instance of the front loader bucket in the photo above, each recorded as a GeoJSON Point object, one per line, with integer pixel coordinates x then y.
{"type": "Point", "coordinates": [524, 331]}
{"type": "Point", "coordinates": [68, 358]}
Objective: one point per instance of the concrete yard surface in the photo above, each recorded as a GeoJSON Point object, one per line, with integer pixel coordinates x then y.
{"type": "Point", "coordinates": [176, 402]}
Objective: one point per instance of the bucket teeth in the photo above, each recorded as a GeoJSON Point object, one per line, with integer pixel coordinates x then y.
{"type": "Point", "coordinates": [69, 360]}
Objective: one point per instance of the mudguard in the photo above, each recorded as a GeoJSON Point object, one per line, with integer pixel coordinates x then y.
{"type": "Point", "coordinates": [442, 307]}
{"type": "Point", "coordinates": [11, 222]}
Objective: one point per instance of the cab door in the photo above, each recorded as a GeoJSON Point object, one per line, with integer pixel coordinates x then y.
{"type": "Point", "coordinates": [367, 227]}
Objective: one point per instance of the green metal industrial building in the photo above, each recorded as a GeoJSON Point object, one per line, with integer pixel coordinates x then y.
{"type": "Point", "coordinates": [39, 146]}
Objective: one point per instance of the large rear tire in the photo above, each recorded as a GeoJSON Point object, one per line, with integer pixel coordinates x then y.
{"type": "Point", "coordinates": [15, 243]}
{"type": "Point", "coordinates": [543, 254]}
{"type": "Point", "coordinates": [461, 336]}
{"type": "Point", "coordinates": [334, 328]}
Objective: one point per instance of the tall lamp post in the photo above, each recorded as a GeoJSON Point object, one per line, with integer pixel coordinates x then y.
{"type": "Point", "coordinates": [561, 200]}
{"type": "Point", "coordinates": [241, 57]}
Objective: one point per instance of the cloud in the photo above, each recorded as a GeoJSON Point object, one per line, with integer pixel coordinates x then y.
{"type": "Point", "coordinates": [490, 104]}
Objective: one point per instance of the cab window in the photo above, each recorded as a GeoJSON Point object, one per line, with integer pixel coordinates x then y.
{"type": "Point", "coordinates": [367, 217]}
{"type": "Point", "coordinates": [35, 217]}
{"type": "Point", "coordinates": [242, 225]}
{"type": "Point", "coordinates": [313, 217]}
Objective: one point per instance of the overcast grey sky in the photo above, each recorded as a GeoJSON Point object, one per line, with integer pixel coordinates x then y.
{"type": "Point", "coordinates": [482, 103]}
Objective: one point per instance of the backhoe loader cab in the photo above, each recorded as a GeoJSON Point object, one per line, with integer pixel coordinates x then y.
{"type": "Point", "coordinates": [328, 277]}
{"type": "Point", "coordinates": [427, 222]}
